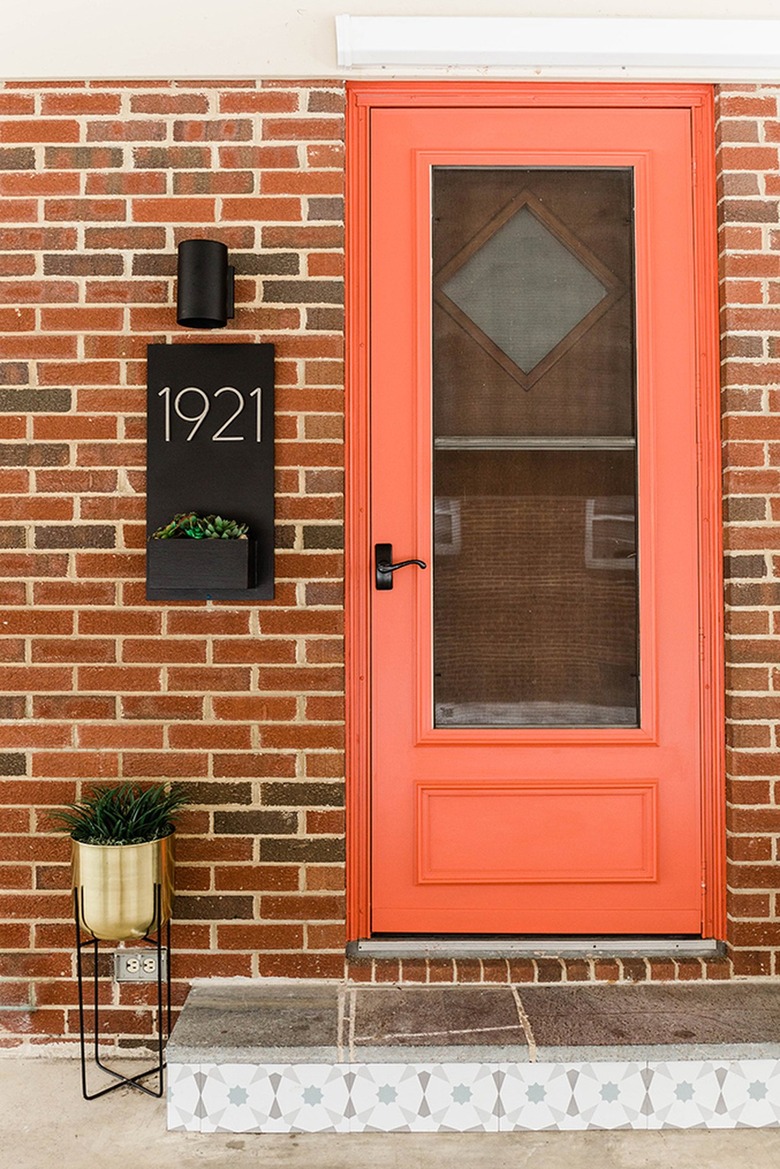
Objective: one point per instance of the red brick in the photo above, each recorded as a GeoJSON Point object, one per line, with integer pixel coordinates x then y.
{"type": "Point", "coordinates": [303, 129]}
{"type": "Point", "coordinates": [63, 592]}
{"type": "Point", "coordinates": [329, 823]}
{"type": "Point", "coordinates": [296, 965]}
{"type": "Point", "coordinates": [79, 210]}
{"type": "Point", "coordinates": [251, 877]}
{"type": "Point", "coordinates": [324, 877]}
{"type": "Point", "coordinates": [662, 969]}
{"type": "Point", "coordinates": [751, 963]}
{"type": "Point", "coordinates": [259, 158]}
{"type": "Point", "coordinates": [19, 211]}
{"type": "Point", "coordinates": [117, 623]}
{"type": "Point", "coordinates": [260, 708]}
{"type": "Point", "coordinates": [169, 103]}
{"type": "Point", "coordinates": [291, 907]}
{"type": "Point", "coordinates": [75, 650]}
{"type": "Point", "coordinates": [126, 130]}
{"type": "Point", "coordinates": [157, 650]}
{"type": "Point", "coordinates": [103, 563]}
{"type": "Point", "coordinates": [40, 130]}
{"type": "Point", "coordinates": [737, 130]}
{"type": "Point", "coordinates": [330, 937]}
{"type": "Point", "coordinates": [748, 736]}
{"type": "Point", "coordinates": [37, 291]}
{"type": "Point", "coordinates": [752, 763]}
{"type": "Point", "coordinates": [210, 679]}
{"type": "Point", "coordinates": [752, 876]}
{"type": "Point", "coordinates": [326, 264]}
{"type": "Point", "coordinates": [745, 848]}
{"type": "Point", "coordinates": [255, 936]}
{"type": "Point", "coordinates": [28, 183]}
{"type": "Point", "coordinates": [120, 678]}
{"type": "Point", "coordinates": [307, 236]}
{"type": "Point", "coordinates": [264, 764]}
{"type": "Point", "coordinates": [112, 183]}
{"type": "Point", "coordinates": [732, 105]}
{"type": "Point", "coordinates": [16, 103]}
{"type": "Point", "coordinates": [162, 706]}
{"type": "Point", "coordinates": [301, 736]}
{"type": "Point", "coordinates": [325, 766]}
{"type": "Point", "coordinates": [212, 851]}
{"type": "Point", "coordinates": [15, 320]}
{"type": "Point", "coordinates": [184, 210]}
{"type": "Point", "coordinates": [259, 102]}
{"type": "Point", "coordinates": [213, 130]}
{"type": "Point", "coordinates": [179, 764]}
{"type": "Point", "coordinates": [208, 622]}
{"type": "Point", "coordinates": [309, 182]}
{"type": "Point", "coordinates": [262, 208]}
{"type": "Point", "coordinates": [74, 707]}
{"type": "Point", "coordinates": [78, 764]}
{"type": "Point", "coordinates": [80, 103]}
{"type": "Point", "coordinates": [753, 158]}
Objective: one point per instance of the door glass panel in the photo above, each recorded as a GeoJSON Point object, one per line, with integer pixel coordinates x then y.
{"type": "Point", "coordinates": [535, 516]}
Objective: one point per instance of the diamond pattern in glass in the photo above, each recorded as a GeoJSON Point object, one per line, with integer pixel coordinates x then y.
{"type": "Point", "coordinates": [524, 289]}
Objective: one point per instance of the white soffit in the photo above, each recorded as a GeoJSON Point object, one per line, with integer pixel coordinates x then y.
{"type": "Point", "coordinates": [701, 49]}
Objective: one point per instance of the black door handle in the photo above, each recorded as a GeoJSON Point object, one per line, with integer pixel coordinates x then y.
{"type": "Point", "coordinates": [383, 559]}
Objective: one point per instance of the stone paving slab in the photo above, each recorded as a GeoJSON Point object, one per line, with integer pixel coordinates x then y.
{"type": "Point", "coordinates": [428, 1023]}
{"type": "Point", "coordinates": [244, 1020]}
{"type": "Point", "coordinates": [251, 1020]}
{"type": "Point", "coordinates": [679, 1016]}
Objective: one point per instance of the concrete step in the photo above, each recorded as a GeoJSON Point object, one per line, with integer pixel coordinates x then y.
{"type": "Point", "coordinates": [295, 1056]}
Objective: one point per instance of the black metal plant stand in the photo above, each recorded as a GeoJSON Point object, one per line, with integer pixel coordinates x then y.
{"type": "Point", "coordinates": [163, 1016]}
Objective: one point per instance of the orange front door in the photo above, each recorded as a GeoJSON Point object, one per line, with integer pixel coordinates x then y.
{"type": "Point", "coordinates": [535, 688]}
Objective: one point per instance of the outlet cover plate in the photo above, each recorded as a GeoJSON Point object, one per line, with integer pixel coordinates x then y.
{"type": "Point", "coordinates": [138, 965]}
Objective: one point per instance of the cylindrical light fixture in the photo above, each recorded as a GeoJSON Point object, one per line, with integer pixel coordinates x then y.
{"type": "Point", "coordinates": [204, 297]}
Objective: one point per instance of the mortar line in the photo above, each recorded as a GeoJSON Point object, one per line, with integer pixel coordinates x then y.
{"type": "Point", "coordinates": [352, 1016]}
{"type": "Point", "coordinates": [340, 1023]}
{"type": "Point", "coordinates": [525, 1023]}
{"type": "Point", "coordinates": [449, 1031]}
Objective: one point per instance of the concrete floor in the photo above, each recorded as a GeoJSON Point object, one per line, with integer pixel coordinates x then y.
{"type": "Point", "coordinates": [45, 1123]}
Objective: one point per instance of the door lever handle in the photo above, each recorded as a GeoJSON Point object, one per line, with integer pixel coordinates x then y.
{"type": "Point", "coordinates": [383, 558]}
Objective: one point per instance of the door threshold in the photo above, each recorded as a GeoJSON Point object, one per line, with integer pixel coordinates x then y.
{"type": "Point", "coordinates": [500, 947]}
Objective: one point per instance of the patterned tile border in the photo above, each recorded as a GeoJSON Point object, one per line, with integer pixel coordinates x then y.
{"type": "Point", "coordinates": [473, 1097]}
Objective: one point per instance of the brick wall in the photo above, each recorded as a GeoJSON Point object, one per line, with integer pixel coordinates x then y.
{"type": "Point", "coordinates": [98, 182]}
{"type": "Point", "coordinates": [749, 185]}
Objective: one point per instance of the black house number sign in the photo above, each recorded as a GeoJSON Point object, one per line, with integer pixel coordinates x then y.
{"type": "Point", "coordinates": [210, 449]}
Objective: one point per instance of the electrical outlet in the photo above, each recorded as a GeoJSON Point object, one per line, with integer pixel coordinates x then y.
{"type": "Point", "coordinates": [138, 965]}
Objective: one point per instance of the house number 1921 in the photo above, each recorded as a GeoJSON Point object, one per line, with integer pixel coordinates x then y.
{"type": "Point", "coordinates": [192, 405]}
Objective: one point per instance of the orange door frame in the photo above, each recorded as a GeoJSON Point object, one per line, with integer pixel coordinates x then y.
{"type": "Point", "coordinates": [362, 97]}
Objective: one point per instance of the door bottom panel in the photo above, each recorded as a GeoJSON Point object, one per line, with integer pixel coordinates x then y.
{"type": "Point", "coordinates": [489, 833]}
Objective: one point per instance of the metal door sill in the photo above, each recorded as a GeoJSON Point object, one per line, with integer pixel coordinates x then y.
{"type": "Point", "coordinates": [500, 947]}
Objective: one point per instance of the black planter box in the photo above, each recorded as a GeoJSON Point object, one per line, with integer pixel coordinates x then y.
{"type": "Point", "coordinates": [192, 566]}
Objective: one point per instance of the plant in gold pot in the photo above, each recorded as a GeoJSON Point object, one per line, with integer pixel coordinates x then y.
{"type": "Point", "coordinates": [122, 853]}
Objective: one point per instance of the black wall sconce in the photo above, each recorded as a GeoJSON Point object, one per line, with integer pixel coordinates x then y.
{"type": "Point", "coordinates": [204, 296]}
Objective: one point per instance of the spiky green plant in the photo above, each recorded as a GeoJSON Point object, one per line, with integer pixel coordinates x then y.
{"type": "Point", "coordinates": [190, 525]}
{"type": "Point", "coordinates": [125, 813]}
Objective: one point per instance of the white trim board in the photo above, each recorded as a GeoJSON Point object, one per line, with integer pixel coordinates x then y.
{"type": "Point", "coordinates": [696, 49]}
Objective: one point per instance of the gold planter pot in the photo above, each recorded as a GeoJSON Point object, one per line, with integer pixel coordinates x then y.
{"type": "Point", "coordinates": [116, 887]}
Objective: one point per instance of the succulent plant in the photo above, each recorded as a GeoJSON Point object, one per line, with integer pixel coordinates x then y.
{"type": "Point", "coordinates": [190, 525]}
{"type": "Point", "coordinates": [124, 813]}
